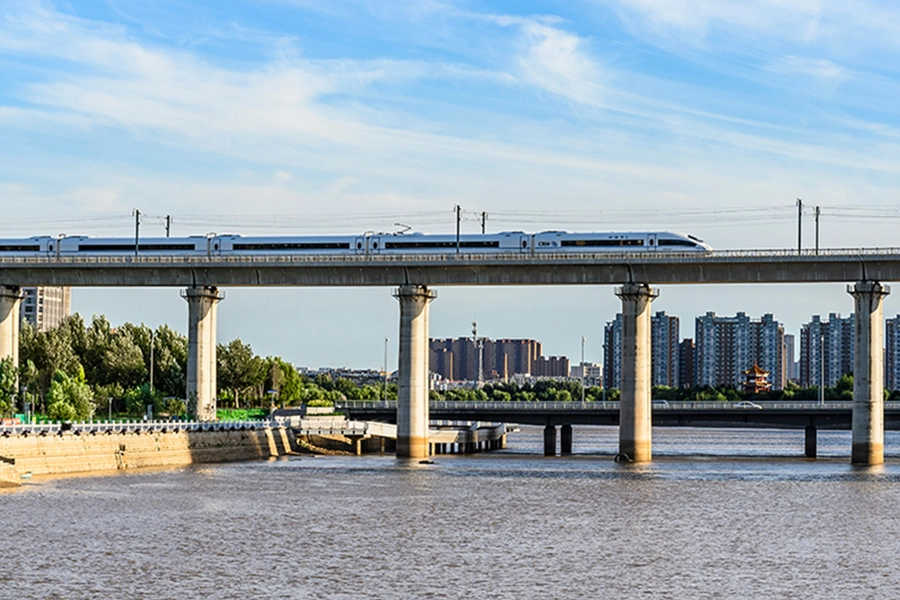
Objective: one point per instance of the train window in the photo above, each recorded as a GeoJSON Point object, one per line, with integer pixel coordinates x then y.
{"type": "Point", "coordinates": [595, 243]}
{"type": "Point", "coordinates": [450, 244]}
{"type": "Point", "coordinates": [130, 247]}
{"type": "Point", "coordinates": [676, 243]}
{"type": "Point", "coordinates": [374, 244]}
{"type": "Point", "coordinates": [294, 246]}
{"type": "Point", "coordinates": [19, 248]}
{"type": "Point", "coordinates": [215, 246]}
{"type": "Point", "coordinates": [524, 243]}
{"type": "Point", "coordinates": [359, 245]}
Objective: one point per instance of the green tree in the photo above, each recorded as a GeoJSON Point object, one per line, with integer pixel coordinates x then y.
{"type": "Point", "coordinates": [139, 398]}
{"type": "Point", "coordinates": [843, 389]}
{"type": "Point", "coordinates": [291, 384]}
{"type": "Point", "coordinates": [170, 361]}
{"type": "Point", "coordinates": [8, 387]}
{"type": "Point", "coordinates": [50, 351]}
{"type": "Point", "coordinates": [124, 362]}
{"type": "Point", "coordinates": [240, 370]}
{"type": "Point", "coordinates": [69, 397]}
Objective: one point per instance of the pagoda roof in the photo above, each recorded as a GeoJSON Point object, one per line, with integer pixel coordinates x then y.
{"type": "Point", "coordinates": [755, 370]}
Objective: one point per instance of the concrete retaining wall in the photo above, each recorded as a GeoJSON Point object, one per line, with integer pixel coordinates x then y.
{"type": "Point", "coordinates": [68, 453]}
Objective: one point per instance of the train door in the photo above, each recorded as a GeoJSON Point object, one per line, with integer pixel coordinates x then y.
{"type": "Point", "coordinates": [524, 243]}
{"type": "Point", "coordinates": [360, 245]}
{"type": "Point", "coordinates": [651, 241]}
{"type": "Point", "coordinates": [375, 244]}
{"type": "Point", "coordinates": [214, 245]}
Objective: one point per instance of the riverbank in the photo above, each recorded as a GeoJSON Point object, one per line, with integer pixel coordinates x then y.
{"type": "Point", "coordinates": [25, 455]}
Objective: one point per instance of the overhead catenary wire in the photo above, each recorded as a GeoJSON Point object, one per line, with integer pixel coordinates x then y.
{"type": "Point", "coordinates": [691, 218]}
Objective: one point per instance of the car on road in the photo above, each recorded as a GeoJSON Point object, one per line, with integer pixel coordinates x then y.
{"type": "Point", "coordinates": [659, 403]}
{"type": "Point", "coordinates": [747, 404]}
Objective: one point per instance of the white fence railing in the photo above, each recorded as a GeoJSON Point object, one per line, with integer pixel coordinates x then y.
{"type": "Point", "coordinates": [138, 427]}
{"type": "Point", "coordinates": [605, 406]}
{"type": "Point", "coordinates": [778, 255]}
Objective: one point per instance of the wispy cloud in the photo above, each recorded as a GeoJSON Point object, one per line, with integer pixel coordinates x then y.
{"type": "Point", "coordinates": [818, 69]}
{"type": "Point", "coordinates": [557, 61]}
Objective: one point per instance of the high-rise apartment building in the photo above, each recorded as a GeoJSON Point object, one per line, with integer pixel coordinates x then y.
{"type": "Point", "coordinates": [45, 307]}
{"type": "Point", "coordinates": [612, 353]}
{"type": "Point", "coordinates": [550, 366]}
{"type": "Point", "coordinates": [664, 353]}
{"type": "Point", "coordinates": [892, 353]}
{"type": "Point", "coordinates": [686, 363]}
{"type": "Point", "coordinates": [790, 364]}
{"type": "Point", "coordinates": [826, 350]}
{"type": "Point", "coordinates": [664, 337]}
{"type": "Point", "coordinates": [725, 347]}
{"type": "Point", "coordinates": [461, 359]}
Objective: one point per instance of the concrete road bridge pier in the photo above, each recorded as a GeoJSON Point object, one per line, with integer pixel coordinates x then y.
{"type": "Point", "coordinates": [414, 276]}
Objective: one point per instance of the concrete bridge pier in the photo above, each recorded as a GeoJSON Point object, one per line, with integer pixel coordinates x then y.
{"type": "Point", "coordinates": [811, 441]}
{"type": "Point", "coordinates": [201, 364]}
{"type": "Point", "coordinates": [565, 440]}
{"type": "Point", "coordinates": [634, 407]}
{"type": "Point", "coordinates": [412, 392]}
{"type": "Point", "coordinates": [10, 300]}
{"type": "Point", "coordinates": [868, 373]}
{"type": "Point", "coordinates": [550, 440]}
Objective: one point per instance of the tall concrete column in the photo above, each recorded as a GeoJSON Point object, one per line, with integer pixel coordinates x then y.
{"type": "Point", "coordinates": [412, 385]}
{"type": "Point", "coordinates": [550, 440]}
{"type": "Point", "coordinates": [811, 440]}
{"type": "Point", "coordinates": [868, 373]}
{"type": "Point", "coordinates": [10, 299]}
{"type": "Point", "coordinates": [634, 407]}
{"type": "Point", "coordinates": [565, 440]}
{"type": "Point", "coordinates": [201, 364]}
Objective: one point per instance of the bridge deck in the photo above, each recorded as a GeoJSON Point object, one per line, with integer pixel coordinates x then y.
{"type": "Point", "coordinates": [775, 415]}
{"type": "Point", "coordinates": [729, 266]}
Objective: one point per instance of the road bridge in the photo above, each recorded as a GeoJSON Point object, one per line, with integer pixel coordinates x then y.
{"type": "Point", "coordinates": [414, 275]}
{"type": "Point", "coordinates": [810, 416]}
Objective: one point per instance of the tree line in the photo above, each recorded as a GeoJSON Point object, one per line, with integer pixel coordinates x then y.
{"type": "Point", "coordinates": [78, 371]}
{"type": "Point", "coordinates": [82, 371]}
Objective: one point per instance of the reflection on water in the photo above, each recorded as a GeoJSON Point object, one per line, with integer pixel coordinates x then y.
{"type": "Point", "coordinates": [719, 513]}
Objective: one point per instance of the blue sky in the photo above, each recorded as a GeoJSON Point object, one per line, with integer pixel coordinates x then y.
{"type": "Point", "coordinates": [299, 116]}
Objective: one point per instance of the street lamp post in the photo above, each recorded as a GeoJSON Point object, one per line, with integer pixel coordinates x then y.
{"type": "Point", "coordinates": [582, 368]}
{"type": "Point", "coordinates": [605, 378]}
{"type": "Point", "coordinates": [384, 387]}
{"type": "Point", "coordinates": [151, 361]}
{"type": "Point", "coordinates": [821, 368]}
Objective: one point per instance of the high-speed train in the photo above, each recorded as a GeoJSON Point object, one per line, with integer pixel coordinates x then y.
{"type": "Point", "coordinates": [368, 244]}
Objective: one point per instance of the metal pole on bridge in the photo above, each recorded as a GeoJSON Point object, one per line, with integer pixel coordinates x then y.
{"type": "Point", "coordinates": [817, 230]}
{"type": "Point", "coordinates": [799, 224]}
{"type": "Point", "coordinates": [137, 229]}
{"type": "Point", "coordinates": [458, 210]}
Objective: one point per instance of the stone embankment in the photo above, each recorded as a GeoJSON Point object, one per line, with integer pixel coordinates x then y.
{"type": "Point", "coordinates": [68, 452]}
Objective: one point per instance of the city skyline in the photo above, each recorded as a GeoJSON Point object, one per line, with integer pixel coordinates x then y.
{"type": "Point", "coordinates": [301, 116]}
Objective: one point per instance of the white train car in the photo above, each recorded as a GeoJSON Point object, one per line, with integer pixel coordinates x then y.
{"type": "Point", "coordinates": [236, 245]}
{"type": "Point", "coordinates": [419, 243]}
{"type": "Point", "coordinates": [80, 245]}
{"type": "Point", "coordinates": [632, 241]}
{"type": "Point", "coordinates": [24, 247]}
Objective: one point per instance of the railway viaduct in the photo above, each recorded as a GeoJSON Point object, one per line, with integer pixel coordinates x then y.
{"type": "Point", "coordinates": [413, 278]}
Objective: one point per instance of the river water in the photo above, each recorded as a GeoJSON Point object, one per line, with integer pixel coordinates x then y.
{"type": "Point", "coordinates": [718, 514]}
